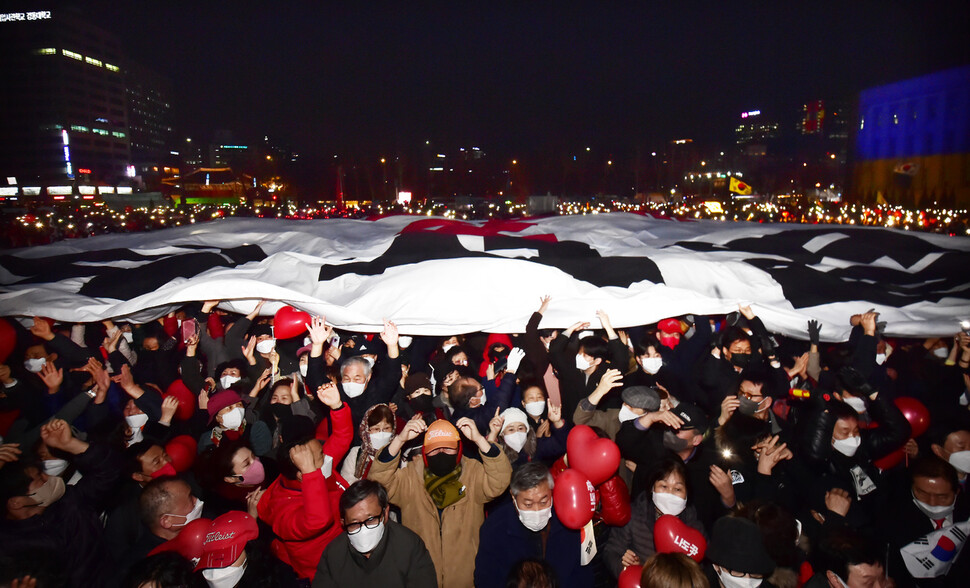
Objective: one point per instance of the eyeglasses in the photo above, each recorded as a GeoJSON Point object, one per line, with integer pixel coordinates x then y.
{"type": "Point", "coordinates": [750, 396]}
{"type": "Point", "coordinates": [370, 523]}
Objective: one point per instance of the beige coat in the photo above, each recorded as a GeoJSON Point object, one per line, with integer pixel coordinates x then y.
{"type": "Point", "coordinates": [607, 420]}
{"type": "Point", "coordinates": [452, 538]}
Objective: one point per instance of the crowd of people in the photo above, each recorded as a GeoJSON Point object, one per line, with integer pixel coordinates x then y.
{"type": "Point", "coordinates": [201, 450]}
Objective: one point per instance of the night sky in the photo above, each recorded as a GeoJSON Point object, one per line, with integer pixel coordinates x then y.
{"type": "Point", "coordinates": [523, 76]}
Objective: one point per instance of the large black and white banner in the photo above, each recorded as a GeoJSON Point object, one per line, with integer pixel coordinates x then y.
{"type": "Point", "coordinates": [441, 276]}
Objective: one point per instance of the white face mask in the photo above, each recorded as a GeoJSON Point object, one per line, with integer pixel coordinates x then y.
{"type": "Point", "coordinates": [447, 346]}
{"type": "Point", "coordinates": [534, 520]}
{"type": "Point", "coordinates": [380, 440]}
{"type": "Point", "coordinates": [55, 467]}
{"type": "Point", "coordinates": [935, 512]}
{"type": "Point", "coordinates": [730, 581]}
{"type": "Point", "coordinates": [136, 421]}
{"type": "Point", "coordinates": [404, 341]}
{"type": "Point", "coordinates": [515, 440]}
{"type": "Point", "coordinates": [128, 336]}
{"type": "Point", "coordinates": [535, 408]}
{"type": "Point", "coordinates": [226, 381]}
{"type": "Point", "coordinates": [266, 345]}
{"type": "Point", "coordinates": [481, 401]}
{"type": "Point", "coordinates": [961, 461]}
{"type": "Point", "coordinates": [224, 577]}
{"type": "Point", "coordinates": [670, 504]}
{"type": "Point", "coordinates": [847, 446]}
{"type": "Point", "coordinates": [365, 540]}
{"type": "Point", "coordinates": [35, 365]}
{"type": "Point", "coordinates": [303, 368]}
{"type": "Point", "coordinates": [881, 358]}
{"type": "Point", "coordinates": [233, 419]}
{"type": "Point", "coordinates": [195, 513]}
{"type": "Point", "coordinates": [626, 414]}
{"type": "Point", "coordinates": [652, 365]}
{"type": "Point", "coordinates": [858, 404]}
{"type": "Point", "coordinates": [353, 390]}
{"type": "Point", "coordinates": [581, 363]}
{"type": "Point", "coordinates": [941, 352]}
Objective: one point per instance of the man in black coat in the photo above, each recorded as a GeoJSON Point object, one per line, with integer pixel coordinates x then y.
{"type": "Point", "coordinates": [42, 515]}
{"type": "Point", "coordinates": [930, 503]}
{"type": "Point", "coordinates": [373, 550]}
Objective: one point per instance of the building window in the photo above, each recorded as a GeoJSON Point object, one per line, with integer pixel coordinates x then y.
{"type": "Point", "coordinates": [112, 67]}
{"type": "Point", "coordinates": [93, 61]}
{"type": "Point", "coordinates": [72, 55]}
{"type": "Point", "coordinates": [46, 51]}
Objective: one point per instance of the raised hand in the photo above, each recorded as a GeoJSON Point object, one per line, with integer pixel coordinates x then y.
{"type": "Point", "coordinates": [110, 342]}
{"type": "Point", "coordinates": [9, 452]}
{"type": "Point", "coordinates": [52, 377]}
{"type": "Point", "coordinates": [814, 332]}
{"type": "Point", "coordinates": [722, 483]}
{"type": "Point", "coordinates": [495, 426]}
{"type": "Point", "coordinates": [771, 454]}
{"type": "Point", "coordinates": [543, 429]}
{"type": "Point", "coordinates": [169, 406]}
{"type": "Point", "coordinates": [42, 329]}
{"type": "Point", "coordinates": [746, 311]}
{"type": "Point", "coordinates": [514, 360]}
{"type": "Point", "coordinates": [252, 502]}
{"type": "Point", "coordinates": [56, 433]}
{"type": "Point", "coordinates": [868, 322]}
{"type": "Point", "coordinates": [302, 458]}
{"type": "Point", "coordinates": [662, 416]}
{"type": "Point", "coordinates": [318, 331]}
{"type": "Point", "coordinates": [249, 351]}
{"type": "Point", "coordinates": [728, 406]}
{"type": "Point", "coordinates": [555, 414]}
{"type": "Point", "coordinates": [389, 335]}
{"type": "Point", "coordinates": [612, 378]}
{"type": "Point", "coordinates": [544, 303]}
{"type": "Point", "coordinates": [838, 501]}
{"type": "Point", "coordinates": [329, 395]}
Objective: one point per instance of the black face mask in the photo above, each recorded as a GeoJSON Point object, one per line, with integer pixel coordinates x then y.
{"type": "Point", "coordinates": [674, 443]}
{"type": "Point", "coordinates": [280, 411]}
{"type": "Point", "coordinates": [748, 406]}
{"type": "Point", "coordinates": [442, 464]}
{"type": "Point", "coordinates": [421, 404]}
{"type": "Point", "coordinates": [740, 360]}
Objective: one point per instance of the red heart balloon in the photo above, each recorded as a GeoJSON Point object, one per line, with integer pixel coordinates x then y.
{"type": "Point", "coordinates": [289, 322]}
{"type": "Point", "coordinates": [597, 458]}
{"type": "Point", "coordinates": [187, 400]}
{"type": "Point", "coordinates": [915, 413]}
{"type": "Point", "coordinates": [182, 450]}
{"type": "Point", "coordinates": [630, 577]}
{"type": "Point", "coordinates": [672, 535]}
{"type": "Point", "coordinates": [891, 460]}
{"type": "Point", "coordinates": [188, 543]}
{"type": "Point", "coordinates": [8, 339]}
{"type": "Point", "coordinates": [574, 498]}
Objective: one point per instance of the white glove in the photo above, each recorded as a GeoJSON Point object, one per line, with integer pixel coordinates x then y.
{"type": "Point", "coordinates": [514, 359]}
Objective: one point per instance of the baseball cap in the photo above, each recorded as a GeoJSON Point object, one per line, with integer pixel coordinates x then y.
{"type": "Point", "coordinates": [441, 433]}
{"type": "Point", "coordinates": [693, 416]}
{"type": "Point", "coordinates": [226, 539]}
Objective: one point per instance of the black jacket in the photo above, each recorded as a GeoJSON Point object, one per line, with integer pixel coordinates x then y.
{"type": "Point", "coordinates": [400, 559]}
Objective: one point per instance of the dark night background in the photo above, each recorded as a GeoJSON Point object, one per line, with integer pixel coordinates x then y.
{"type": "Point", "coordinates": [522, 75]}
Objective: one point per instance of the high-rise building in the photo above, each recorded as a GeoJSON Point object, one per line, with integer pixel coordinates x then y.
{"type": "Point", "coordinates": [63, 100]}
{"type": "Point", "coordinates": [149, 115]}
{"type": "Point", "coordinates": [755, 132]}
{"type": "Point", "coordinates": [913, 141]}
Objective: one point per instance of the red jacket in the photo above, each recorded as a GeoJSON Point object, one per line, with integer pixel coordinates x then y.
{"type": "Point", "coordinates": [305, 514]}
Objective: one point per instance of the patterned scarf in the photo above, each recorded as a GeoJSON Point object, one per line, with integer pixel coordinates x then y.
{"type": "Point", "coordinates": [445, 490]}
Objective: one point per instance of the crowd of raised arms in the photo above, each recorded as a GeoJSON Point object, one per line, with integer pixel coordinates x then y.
{"type": "Point", "coordinates": [201, 450]}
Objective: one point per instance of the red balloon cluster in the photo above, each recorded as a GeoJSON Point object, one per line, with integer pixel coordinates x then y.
{"type": "Point", "coordinates": [574, 498]}
{"type": "Point", "coordinates": [182, 450]}
{"type": "Point", "coordinates": [289, 322]}
{"type": "Point", "coordinates": [672, 535]}
{"type": "Point", "coordinates": [597, 458]}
